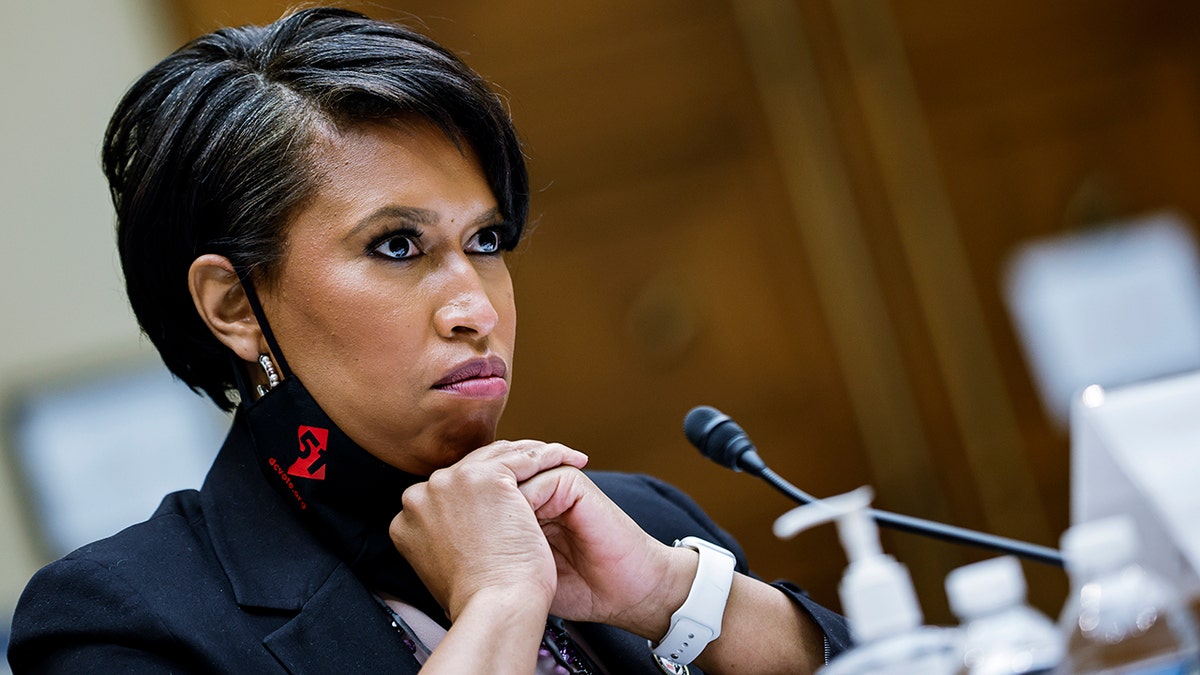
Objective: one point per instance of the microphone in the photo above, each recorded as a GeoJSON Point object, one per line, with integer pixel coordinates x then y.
{"type": "Point", "coordinates": [720, 439]}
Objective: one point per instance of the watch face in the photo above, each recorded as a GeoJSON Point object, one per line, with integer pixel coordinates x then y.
{"type": "Point", "coordinates": [668, 666]}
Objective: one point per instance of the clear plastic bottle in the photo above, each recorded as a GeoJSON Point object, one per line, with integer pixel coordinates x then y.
{"type": "Point", "coordinates": [877, 597]}
{"type": "Point", "coordinates": [1121, 618]}
{"type": "Point", "coordinates": [1000, 633]}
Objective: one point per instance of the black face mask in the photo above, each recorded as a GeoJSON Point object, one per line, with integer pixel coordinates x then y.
{"type": "Point", "coordinates": [345, 495]}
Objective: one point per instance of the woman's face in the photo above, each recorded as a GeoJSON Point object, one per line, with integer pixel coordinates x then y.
{"type": "Point", "coordinates": [393, 303]}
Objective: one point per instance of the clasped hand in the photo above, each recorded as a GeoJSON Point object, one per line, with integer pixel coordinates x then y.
{"type": "Point", "coordinates": [518, 523]}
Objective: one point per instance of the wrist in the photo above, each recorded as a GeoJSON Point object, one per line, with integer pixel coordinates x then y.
{"type": "Point", "coordinates": [698, 620]}
{"type": "Point", "coordinates": [674, 586]}
{"type": "Point", "coordinates": [507, 602]}
{"type": "Point", "coordinates": [494, 632]}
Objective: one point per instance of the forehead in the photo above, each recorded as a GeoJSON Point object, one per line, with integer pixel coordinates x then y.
{"type": "Point", "coordinates": [360, 168]}
{"type": "Point", "coordinates": [409, 145]}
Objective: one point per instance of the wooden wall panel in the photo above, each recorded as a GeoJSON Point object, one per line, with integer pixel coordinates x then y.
{"type": "Point", "coordinates": [1040, 117]}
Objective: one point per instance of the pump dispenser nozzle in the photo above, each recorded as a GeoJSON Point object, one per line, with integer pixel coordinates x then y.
{"type": "Point", "coordinates": [876, 591]}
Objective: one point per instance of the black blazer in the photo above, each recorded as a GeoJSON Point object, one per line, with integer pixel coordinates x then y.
{"type": "Point", "coordinates": [227, 580]}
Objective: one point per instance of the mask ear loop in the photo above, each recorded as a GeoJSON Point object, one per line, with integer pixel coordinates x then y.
{"type": "Point", "coordinates": [268, 334]}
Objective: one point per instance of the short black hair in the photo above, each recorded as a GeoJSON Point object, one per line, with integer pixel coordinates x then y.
{"type": "Point", "coordinates": [208, 152]}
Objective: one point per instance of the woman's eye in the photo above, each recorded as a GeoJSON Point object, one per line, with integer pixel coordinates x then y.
{"type": "Point", "coordinates": [486, 241]}
{"type": "Point", "coordinates": [397, 247]}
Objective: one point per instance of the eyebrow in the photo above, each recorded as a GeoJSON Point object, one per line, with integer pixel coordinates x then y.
{"type": "Point", "coordinates": [407, 214]}
{"type": "Point", "coordinates": [416, 216]}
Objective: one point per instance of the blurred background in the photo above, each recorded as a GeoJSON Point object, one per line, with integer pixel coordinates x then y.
{"type": "Point", "coordinates": [889, 238]}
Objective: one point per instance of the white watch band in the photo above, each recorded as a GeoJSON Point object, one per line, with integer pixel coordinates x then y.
{"type": "Point", "coordinates": [698, 621]}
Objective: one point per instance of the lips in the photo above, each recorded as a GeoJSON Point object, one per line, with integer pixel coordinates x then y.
{"type": "Point", "coordinates": [477, 378]}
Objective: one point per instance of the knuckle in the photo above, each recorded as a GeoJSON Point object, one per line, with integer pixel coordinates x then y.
{"type": "Point", "coordinates": [501, 447]}
{"type": "Point", "coordinates": [465, 478]}
{"type": "Point", "coordinates": [442, 478]}
{"type": "Point", "coordinates": [412, 498]}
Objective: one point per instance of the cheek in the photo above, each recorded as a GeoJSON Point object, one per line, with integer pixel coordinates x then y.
{"type": "Point", "coordinates": [386, 325]}
{"type": "Point", "coordinates": [351, 319]}
{"type": "Point", "coordinates": [504, 302]}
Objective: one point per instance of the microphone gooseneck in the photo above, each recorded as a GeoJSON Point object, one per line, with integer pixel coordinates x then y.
{"type": "Point", "coordinates": [720, 439]}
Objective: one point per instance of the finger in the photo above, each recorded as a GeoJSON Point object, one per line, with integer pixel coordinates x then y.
{"type": "Point", "coordinates": [553, 492]}
{"type": "Point", "coordinates": [526, 458]}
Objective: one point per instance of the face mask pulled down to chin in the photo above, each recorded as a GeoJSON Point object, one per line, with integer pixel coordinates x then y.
{"type": "Point", "coordinates": [343, 494]}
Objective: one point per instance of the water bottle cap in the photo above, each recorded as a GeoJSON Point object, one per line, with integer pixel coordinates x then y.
{"type": "Point", "coordinates": [985, 587]}
{"type": "Point", "coordinates": [1100, 545]}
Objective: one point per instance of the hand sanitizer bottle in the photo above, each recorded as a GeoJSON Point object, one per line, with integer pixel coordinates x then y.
{"type": "Point", "coordinates": [1000, 633]}
{"type": "Point", "coordinates": [1120, 617]}
{"type": "Point", "coordinates": [877, 597]}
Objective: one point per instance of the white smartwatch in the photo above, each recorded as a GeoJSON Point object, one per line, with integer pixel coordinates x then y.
{"type": "Point", "coordinates": [698, 621]}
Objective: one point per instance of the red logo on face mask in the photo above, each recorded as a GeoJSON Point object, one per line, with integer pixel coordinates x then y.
{"type": "Point", "coordinates": [311, 463]}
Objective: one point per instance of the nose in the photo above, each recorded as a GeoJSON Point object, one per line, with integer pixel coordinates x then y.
{"type": "Point", "coordinates": [465, 309]}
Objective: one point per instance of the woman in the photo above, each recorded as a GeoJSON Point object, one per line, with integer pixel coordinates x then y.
{"type": "Point", "coordinates": [312, 221]}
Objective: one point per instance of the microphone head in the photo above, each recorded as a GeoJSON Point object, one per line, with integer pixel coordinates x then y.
{"type": "Point", "coordinates": [699, 423]}
{"type": "Point", "coordinates": [717, 437]}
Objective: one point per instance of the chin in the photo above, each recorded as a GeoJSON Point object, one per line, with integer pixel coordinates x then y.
{"type": "Point", "coordinates": [441, 440]}
{"type": "Point", "coordinates": [459, 436]}
{"type": "Point", "coordinates": [468, 435]}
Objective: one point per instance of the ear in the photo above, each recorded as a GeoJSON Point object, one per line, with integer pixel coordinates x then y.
{"type": "Point", "coordinates": [222, 304]}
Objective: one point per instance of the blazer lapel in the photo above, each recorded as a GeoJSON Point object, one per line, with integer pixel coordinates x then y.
{"type": "Point", "coordinates": [341, 630]}
{"type": "Point", "coordinates": [273, 563]}
{"type": "Point", "coordinates": [271, 560]}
